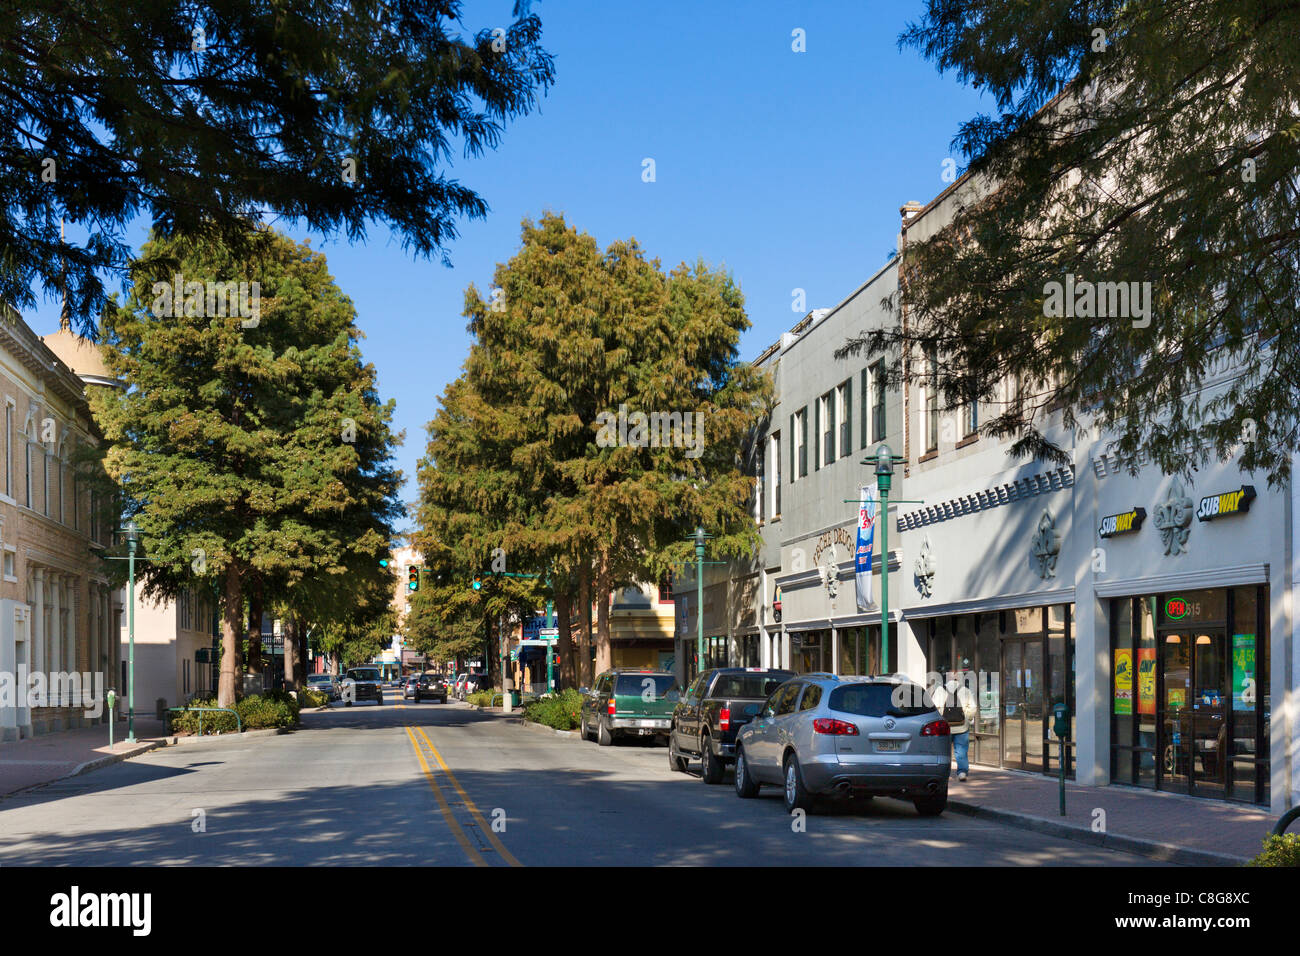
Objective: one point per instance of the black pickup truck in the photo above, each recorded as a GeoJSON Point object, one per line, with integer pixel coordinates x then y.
{"type": "Point", "coordinates": [716, 705]}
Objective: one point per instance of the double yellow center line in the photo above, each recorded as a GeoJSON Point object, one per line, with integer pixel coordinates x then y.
{"type": "Point", "coordinates": [424, 748]}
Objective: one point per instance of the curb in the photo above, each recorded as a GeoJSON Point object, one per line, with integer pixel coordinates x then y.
{"type": "Point", "coordinates": [109, 759]}
{"type": "Point", "coordinates": [543, 729]}
{"type": "Point", "coordinates": [1152, 849]}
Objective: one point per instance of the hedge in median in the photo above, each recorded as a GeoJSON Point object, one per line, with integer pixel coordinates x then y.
{"type": "Point", "coordinates": [275, 709]}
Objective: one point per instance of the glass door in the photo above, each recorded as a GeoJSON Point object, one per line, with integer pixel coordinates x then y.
{"type": "Point", "coordinates": [1209, 712]}
{"type": "Point", "coordinates": [1036, 704]}
{"type": "Point", "coordinates": [1175, 717]}
{"type": "Point", "coordinates": [1013, 737]}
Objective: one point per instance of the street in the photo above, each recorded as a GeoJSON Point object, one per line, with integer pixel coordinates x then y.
{"type": "Point", "coordinates": [423, 785]}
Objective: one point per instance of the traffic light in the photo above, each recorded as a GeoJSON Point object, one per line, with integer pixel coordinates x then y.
{"type": "Point", "coordinates": [478, 583]}
{"type": "Point", "coordinates": [383, 562]}
{"type": "Point", "coordinates": [413, 578]}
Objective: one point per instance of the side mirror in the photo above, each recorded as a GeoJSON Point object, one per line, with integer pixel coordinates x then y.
{"type": "Point", "coordinates": [768, 712]}
{"type": "Point", "coordinates": [584, 690]}
{"type": "Point", "coordinates": [672, 696]}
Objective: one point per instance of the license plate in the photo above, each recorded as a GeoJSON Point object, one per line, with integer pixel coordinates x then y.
{"type": "Point", "coordinates": [650, 723]}
{"type": "Point", "coordinates": [889, 745]}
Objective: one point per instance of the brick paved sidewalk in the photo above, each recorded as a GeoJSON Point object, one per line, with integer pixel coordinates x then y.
{"type": "Point", "coordinates": [37, 760]}
{"type": "Point", "coordinates": [1163, 825]}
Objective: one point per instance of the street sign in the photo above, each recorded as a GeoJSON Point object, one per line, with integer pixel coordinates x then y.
{"type": "Point", "coordinates": [548, 632]}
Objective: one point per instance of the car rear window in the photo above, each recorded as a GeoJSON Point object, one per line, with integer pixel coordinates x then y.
{"type": "Point", "coordinates": [634, 685]}
{"type": "Point", "coordinates": [881, 700]}
{"type": "Point", "coordinates": [756, 686]}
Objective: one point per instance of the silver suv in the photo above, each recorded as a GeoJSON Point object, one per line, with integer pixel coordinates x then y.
{"type": "Point", "coordinates": [872, 736]}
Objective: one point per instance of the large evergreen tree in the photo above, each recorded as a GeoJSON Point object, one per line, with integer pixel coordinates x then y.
{"type": "Point", "coordinates": [338, 113]}
{"type": "Point", "coordinates": [1137, 141]}
{"type": "Point", "coordinates": [249, 453]}
{"type": "Point", "coordinates": [523, 456]}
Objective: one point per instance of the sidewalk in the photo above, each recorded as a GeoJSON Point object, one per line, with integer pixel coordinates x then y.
{"type": "Point", "coordinates": [1165, 826]}
{"type": "Point", "coordinates": [37, 760]}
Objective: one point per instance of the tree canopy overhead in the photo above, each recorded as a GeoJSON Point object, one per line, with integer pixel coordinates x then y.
{"type": "Point", "coordinates": [1144, 143]}
{"type": "Point", "coordinates": [334, 113]}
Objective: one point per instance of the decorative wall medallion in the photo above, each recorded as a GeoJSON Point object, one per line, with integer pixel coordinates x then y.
{"type": "Point", "coordinates": [1174, 519]}
{"type": "Point", "coordinates": [1046, 546]}
{"type": "Point", "coordinates": [830, 572]}
{"type": "Point", "coordinates": [924, 568]}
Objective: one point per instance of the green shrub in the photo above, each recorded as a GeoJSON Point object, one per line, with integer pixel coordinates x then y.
{"type": "Point", "coordinates": [560, 711]}
{"type": "Point", "coordinates": [1281, 850]}
{"type": "Point", "coordinates": [483, 698]}
{"type": "Point", "coordinates": [259, 712]}
{"type": "Point", "coordinates": [309, 697]}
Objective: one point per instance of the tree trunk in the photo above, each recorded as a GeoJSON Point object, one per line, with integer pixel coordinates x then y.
{"type": "Point", "coordinates": [255, 627]}
{"type": "Point", "coordinates": [292, 666]}
{"type": "Point", "coordinates": [232, 624]}
{"type": "Point", "coordinates": [584, 649]}
{"type": "Point", "coordinates": [300, 629]}
{"type": "Point", "coordinates": [604, 585]}
{"type": "Point", "coordinates": [564, 646]}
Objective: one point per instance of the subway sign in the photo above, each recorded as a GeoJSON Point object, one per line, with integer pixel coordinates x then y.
{"type": "Point", "coordinates": [1125, 523]}
{"type": "Point", "coordinates": [1227, 503]}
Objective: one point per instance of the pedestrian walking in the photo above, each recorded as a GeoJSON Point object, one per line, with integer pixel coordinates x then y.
{"type": "Point", "coordinates": [956, 705]}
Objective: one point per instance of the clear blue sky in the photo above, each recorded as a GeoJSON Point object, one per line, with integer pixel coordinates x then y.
{"type": "Point", "coordinates": [786, 168]}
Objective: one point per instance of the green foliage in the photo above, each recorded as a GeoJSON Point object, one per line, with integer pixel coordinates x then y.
{"type": "Point", "coordinates": [1137, 141]}
{"type": "Point", "coordinates": [256, 712]}
{"type": "Point", "coordinates": [517, 458]}
{"type": "Point", "coordinates": [484, 698]}
{"type": "Point", "coordinates": [1283, 850]}
{"type": "Point", "coordinates": [309, 697]}
{"type": "Point", "coordinates": [561, 711]}
{"type": "Point", "coordinates": [282, 110]}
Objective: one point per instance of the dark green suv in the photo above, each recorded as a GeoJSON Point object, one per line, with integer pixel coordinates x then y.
{"type": "Point", "coordinates": [626, 702]}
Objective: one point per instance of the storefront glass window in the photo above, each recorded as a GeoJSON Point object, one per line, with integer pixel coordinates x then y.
{"type": "Point", "coordinates": [1123, 691]}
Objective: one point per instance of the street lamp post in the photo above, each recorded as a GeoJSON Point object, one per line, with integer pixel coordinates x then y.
{"type": "Point", "coordinates": [884, 480]}
{"type": "Point", "coordinates": [132, 537]}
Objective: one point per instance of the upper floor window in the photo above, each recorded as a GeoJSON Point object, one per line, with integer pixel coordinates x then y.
{"type": "Point", "coordinates": [665, 589]}
{"type": "Point", "coordinates": [775, 483]}
{"type": "Point", "coordinates": [878, 402]}
{"type": "Point", "coordinates": [826, 413]}
{"type": "Point", "coordinates": [799, 449]}
{"type": "Point", "coordinates": [932, 403]}
{"type": "Point", "coordinates": [844, 402]}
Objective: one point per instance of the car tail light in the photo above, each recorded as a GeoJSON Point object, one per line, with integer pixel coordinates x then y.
{"type": "Point", "coordinates": [936, 728]}
{"type": "Point", "coordinates": [839, 728]}
{"type": "Point", "coordinates": [724, 718]}
{"type": "Point", "coordinates": [611, 707]}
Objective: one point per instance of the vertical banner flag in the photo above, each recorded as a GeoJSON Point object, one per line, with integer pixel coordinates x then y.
{"type": "Point", "coordinates": [866, 544]}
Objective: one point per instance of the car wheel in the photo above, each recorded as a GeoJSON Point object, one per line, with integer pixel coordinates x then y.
{"type": "Point", "coordinates": [603, 735]}
{"type": "Point", "coordinates": [347, 703]}
{"type": "Point", "coordinates": [379, 701]}
{"type": "Point", "coordinates": [746, 785]}
{"type": "Point", "coordinates": [676, 762]}
{"type": "Point", "coordinates": [932, 806]}
{"type": "Point", "coordinates": [797, 796]}
{"type": "Point", "coordinates": [711, 768]}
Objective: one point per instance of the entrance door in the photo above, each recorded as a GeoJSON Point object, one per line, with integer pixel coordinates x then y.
{"type": "Point", "coordinates": [1175, 715]}
{"type": "Point", "coordinates": [1022, 718]}
{"type": "Point", "coordinates": [1193, 711]}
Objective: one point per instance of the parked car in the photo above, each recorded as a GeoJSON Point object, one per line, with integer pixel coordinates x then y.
{"type": "Point", "coordinates": [709, 715]}
{"type": "Point", "coordinates": [431, 686]}
{"type": "Point", "coordinates": [325, 683]}
{"type": "Point", "coordinates": [474, 681]}
{"type": "Point", "coordinates": [362, 683]}
{"type": "Point", "coordinates": [458, 686]}
{"type": "Point", "coordinates": [872, 736]}
{"type": "Point", "coordinates": [629, 702]}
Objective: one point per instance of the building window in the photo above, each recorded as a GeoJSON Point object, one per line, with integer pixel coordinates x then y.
{"type": "Point", "coordinates": [800, 448]}
{"type": "Point", "coordinates": [775, 484]}
{"type": "Point", "coordinates": [9, 449]}
{"type": "Point", "coordinates": [878, 401]}
{"type": "Point", "coordinates": [971, 417]}
{"type": "Point", "coordinates": [27, 467]}
{"type": "Point", "coordinates": [665, 589]}
{"type": "Point", "coordinates": [828, 429]}
{"type": "Point", "coordinates": [932, 404]}
{"type": "Point", "coordinates": [845, 404]}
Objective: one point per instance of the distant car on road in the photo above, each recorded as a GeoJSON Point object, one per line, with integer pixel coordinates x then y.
{"type": "Point", "coordinates": [325, 683]}
{"type": "Point", "coordinates": [710, 714]}
{"type": "Point", "coordinates": [362, 683]}
{"type": "Point", "coordinates": [872, 736]}
{"type": "Point", "coordinates": [408, 686]}
{"type": "Point", "coordinates": [431, 686]}
{"type": "Point", "coordinates": [628, 702]}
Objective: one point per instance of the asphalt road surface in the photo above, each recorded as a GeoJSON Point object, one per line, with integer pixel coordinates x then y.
{"type": "Point", "coordinates": [445, 785]}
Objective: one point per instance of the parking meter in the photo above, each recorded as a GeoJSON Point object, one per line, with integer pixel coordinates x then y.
{"type": "Point", "coordinates": [111, 697]}
{"type": "Point", "coordinates": [1060, 720]}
